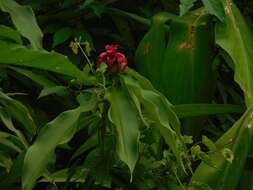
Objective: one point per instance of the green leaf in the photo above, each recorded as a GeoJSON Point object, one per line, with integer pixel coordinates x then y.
{"type": "Point", "coordinates": [159, 110]}
{"type": "Point", "coordinates": [19, 112]}
{"type": "Point", "coordinates": [89, 143]}
{"type": "Point", "coordinates": [208, 143]}
{"type": "Point", "coordinates": [226, 175]}
{"type": "Point", "coordinates": [151, 50]}
{"type": "Point", "coordinates": [24, 20]}
{"type": "Point", "coordinates": [5, 117]}
{"type": "Point", "coordinates": [62, 176]}
{"type": "Point", "coordinates": [56, 132]}
{"type": "Point", "coordinates": [15, 172]}
{"type": "Point", "coordinates": [59, 90]}
{"type": "Point", "coordinates": [61, 36]}
{"type": "Point", "coordinates": [7, 33]}
{"type": "Point", "coordinates": [5, 162]}
{"type": "Point", "coordinates": [38, 78]}
{"type": "Point", "coordinates": [215, 8]}
{"type": "Point", "coordinates": [195, 110]}
{"type": "Point", "coordinates": [99, 162]}
{"type": "Point", "coordinates": [123, 115]}
{"type": "Point", "coordinates": [97, 7]}
{"type": "Point", "coordinates": [185, 6]}
{"type": "Point", "coordinates": [189, 46]}
{"type": "Point", "coordinates": [235, 37]}
{"type": "Point", "coordinates": [10, 141]}
{"type": "Point", "coordinates": [13, 54]}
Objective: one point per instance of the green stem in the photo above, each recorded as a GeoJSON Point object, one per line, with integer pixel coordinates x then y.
{"type": "Point", "coordinates": [137, 18]}
{"type": "Point", "coordinates": [133, 16]}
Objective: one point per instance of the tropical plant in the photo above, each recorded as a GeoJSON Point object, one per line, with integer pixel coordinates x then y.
{"type": "Point", "coordinates": [70, 120]}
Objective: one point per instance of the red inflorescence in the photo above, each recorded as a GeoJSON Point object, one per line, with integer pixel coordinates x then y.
{"type": "Point", "coordinates": [112, 58]}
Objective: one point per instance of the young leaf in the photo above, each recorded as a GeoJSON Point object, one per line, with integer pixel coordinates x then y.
{"type": "Point", "coordinates": [215, 8]}
{"type": "Point", "coordinates": [24, 20]}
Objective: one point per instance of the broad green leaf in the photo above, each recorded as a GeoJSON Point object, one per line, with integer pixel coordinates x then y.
{"type": "Point", "coordinates": [19, 112]}
{"type": "Point", "coordinates": [215, 8]}
{"type": "Point", "coordinates": [7, 33]}
{"type": "Point", "coordinates": [61, 36]}
{"type": "Point", "coordinates": [226, 175]}
{"type": "Point", "coordinates": [56, 132]}
{"type": "Point", "coordinates": [150, 52]}
{"type": "Point", "coordinates": [24, 20]}
{"type": "Point", "coordinates": [186, 59]}
{"type": "Point", "coordinates": [235, 37]}
{"type": "Point", "coordinates": [185, 6]}
{"type": "Point", "coordinates": [14, 54]}
{"type": "Point", "coordinates": [124, 116]}
{"type": "Point", "coordinates": [195, 110]}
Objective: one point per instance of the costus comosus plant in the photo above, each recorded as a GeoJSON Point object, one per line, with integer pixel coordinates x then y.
{"type": "Point", "coordinates": [112, 121]}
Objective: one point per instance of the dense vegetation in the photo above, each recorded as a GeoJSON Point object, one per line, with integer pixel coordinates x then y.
{"type": "Point", "coordinates": [109, 94]}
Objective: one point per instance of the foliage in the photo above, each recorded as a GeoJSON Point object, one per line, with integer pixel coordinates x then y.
{"type": "Point", "coordinates": [167, 105]}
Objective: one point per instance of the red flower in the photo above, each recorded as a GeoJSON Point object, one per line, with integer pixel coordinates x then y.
{"type": "Point", "coordinates": [112, 58]}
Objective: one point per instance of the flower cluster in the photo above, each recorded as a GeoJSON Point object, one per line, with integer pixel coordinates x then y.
{"type": "Point", "coordinates": [114, 60]}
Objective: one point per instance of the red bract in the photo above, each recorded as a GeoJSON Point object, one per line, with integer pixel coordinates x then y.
{"type": "Point", "coordinates": [115, 60]}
